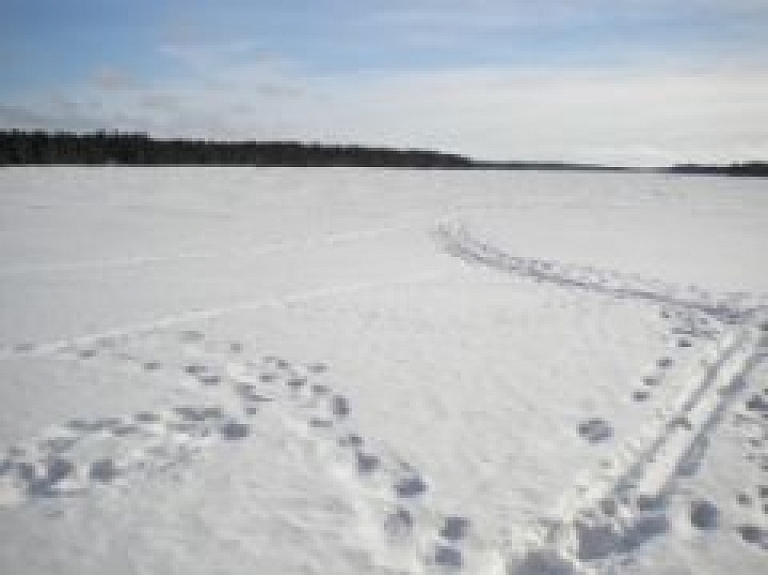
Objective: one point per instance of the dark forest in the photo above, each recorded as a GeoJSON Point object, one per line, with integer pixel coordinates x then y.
{"type": "Point", "coordinates": [107, 148]}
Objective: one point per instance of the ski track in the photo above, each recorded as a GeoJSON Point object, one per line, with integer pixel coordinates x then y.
{"type": "Point", "coordinates": [598, 523]}
{"type": "Point", "coordinates": [624, 503]}
{"type": "Point", "coordinates": [731, 308]}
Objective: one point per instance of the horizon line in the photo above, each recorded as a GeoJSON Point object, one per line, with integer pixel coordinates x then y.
{"type": "Point", "coordinates": [470, 162]}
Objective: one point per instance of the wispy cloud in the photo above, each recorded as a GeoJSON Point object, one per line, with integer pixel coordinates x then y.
{"type": "Point", "coordinates": [625, 81]}
{"type": "Point", "coordinates": [635, 118]}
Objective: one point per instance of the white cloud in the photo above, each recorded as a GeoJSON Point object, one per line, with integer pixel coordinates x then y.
{"type": "Point", "coordinates": [633, 118]}
{"type": "Point", "coordinates": [637, 116]}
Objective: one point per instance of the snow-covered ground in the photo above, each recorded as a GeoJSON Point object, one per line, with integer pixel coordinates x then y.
{"type": "Point", "coordinates": [217, 370]}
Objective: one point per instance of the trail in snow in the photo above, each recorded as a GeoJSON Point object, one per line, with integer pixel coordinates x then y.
{"type": "Point", "coordinates": [730, 308]}
{"type": "Point", "coordinates": [290, 245]}
{"type": "Point", "coordinates": [41, 349]}
{"type": "Point", "coordinates": [607, 516]}
{"type": "Point", "coordinates": [624, 503]}
{"type": "Point", "coordinates": [232, 388]}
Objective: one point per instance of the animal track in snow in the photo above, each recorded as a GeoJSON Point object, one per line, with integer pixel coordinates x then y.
{"type": "Point", "coordinates": [754, 535]}
{"type": "Point", "coordinates": [395, 494]}
{"type": "Point", "coordinates": [595, 430]}
{"type": "Point", "coordinates": [704, 514]}
{"type": "Point", "coordinates": [599, 528]}
{"type": "Point", "coordinates": [82, 453]}
{"type": "Point", "coordinates": [393, 491]}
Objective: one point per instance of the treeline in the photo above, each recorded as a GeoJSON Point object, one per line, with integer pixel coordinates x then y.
{"type": "Point", "coordinates": [753, 169]}
{"type": "Point", "coordinates": [103, 148]}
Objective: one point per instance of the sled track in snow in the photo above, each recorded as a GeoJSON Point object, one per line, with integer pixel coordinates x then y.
{"type": "Point", "coordinates": [622, 504]}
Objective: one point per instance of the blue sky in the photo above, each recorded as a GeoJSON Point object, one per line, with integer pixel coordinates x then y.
{"type": "Point", "coordinates": [625, 81]}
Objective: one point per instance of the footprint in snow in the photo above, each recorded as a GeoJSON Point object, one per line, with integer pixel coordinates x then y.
{"type": "Point", "coordinates": [455, 528]}
{"type": "Point", "coordinates": [704, 515]}
{"type": "Point", "coordinates": [233, 430]}
{"type": "Point", "coordinates": [317, 368]}
{"type": "Point", "coordinates": [757, 403]}
{"type": "Point", "coordinates": [410, 486]}
{"type": "Point", "coordinates": [320, 423]}
{"type": "Point", "coordinates": [87, 353]}
{"type": "Point", "coordinates": [103, 470]}
{"type": "Point", "coordinates": [195, 369]}
{"type": "Point", "coordinates": [198, 414]}
{"type": "Point", "coordinates": [191, 336]}
{"type": "Point", "coordinates": [209, 379]}
{"type": "Point", "coordinates": [146, 417]}
{"type": "Point", "coordinates": [367, 463]}
{"type": "Point", "coordinates": [448, 557]}
{"type": "Point", "coordinates": [595, 430]}
{"type": "Point", "coordinates": [351, 440]}
{"type": "Point", "coordinates": [339, 406]}
{"type": "Point", "coordinates": [665, 362]}
{"type": "Point", "coordinates": [320, 389]}
{"type": "Point", "coordinates": [754, 535]}
{"type": "Point", "coordinates": [447, 553]}
{"type": "Point", "coordinates": [296, 383]}
{"type": "Point", "coordinates": [641, 395]}
{"type": "Point", "coordinates": [24, 347]}
{"type": "Point", "coordinates": [151, 365]}
{"type": "Point", "coordinates": [57, 465]}
{"type": "Point", "coordinates": [651, 380]}
{"type": "Point", "coordinates": [399, 523]}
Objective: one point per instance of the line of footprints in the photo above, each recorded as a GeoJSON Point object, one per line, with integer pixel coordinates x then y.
{"type": "Point", "coordinates": [704, 515]}
{"type": "Point", "coordinates": [686, 328]}
{"type": "Point", "coordinates": [84, 454]}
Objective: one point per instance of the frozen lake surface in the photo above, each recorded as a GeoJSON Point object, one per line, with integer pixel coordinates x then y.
{"type": "Point", "coordinates": [298, 371]}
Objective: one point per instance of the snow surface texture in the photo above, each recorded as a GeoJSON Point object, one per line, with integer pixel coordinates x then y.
{"type": "Point", "coordinates": [347, 371]}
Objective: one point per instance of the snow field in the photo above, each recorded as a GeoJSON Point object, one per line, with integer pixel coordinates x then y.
{"type": "Point", "coordinates": [377, 371]}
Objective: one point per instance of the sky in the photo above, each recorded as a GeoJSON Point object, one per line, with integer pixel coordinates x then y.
{"type": "Point", "coordinates": [626, 82]}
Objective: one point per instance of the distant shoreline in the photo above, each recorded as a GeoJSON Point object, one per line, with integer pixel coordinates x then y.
{"type": "Point", "coordinates": [114, 148]}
